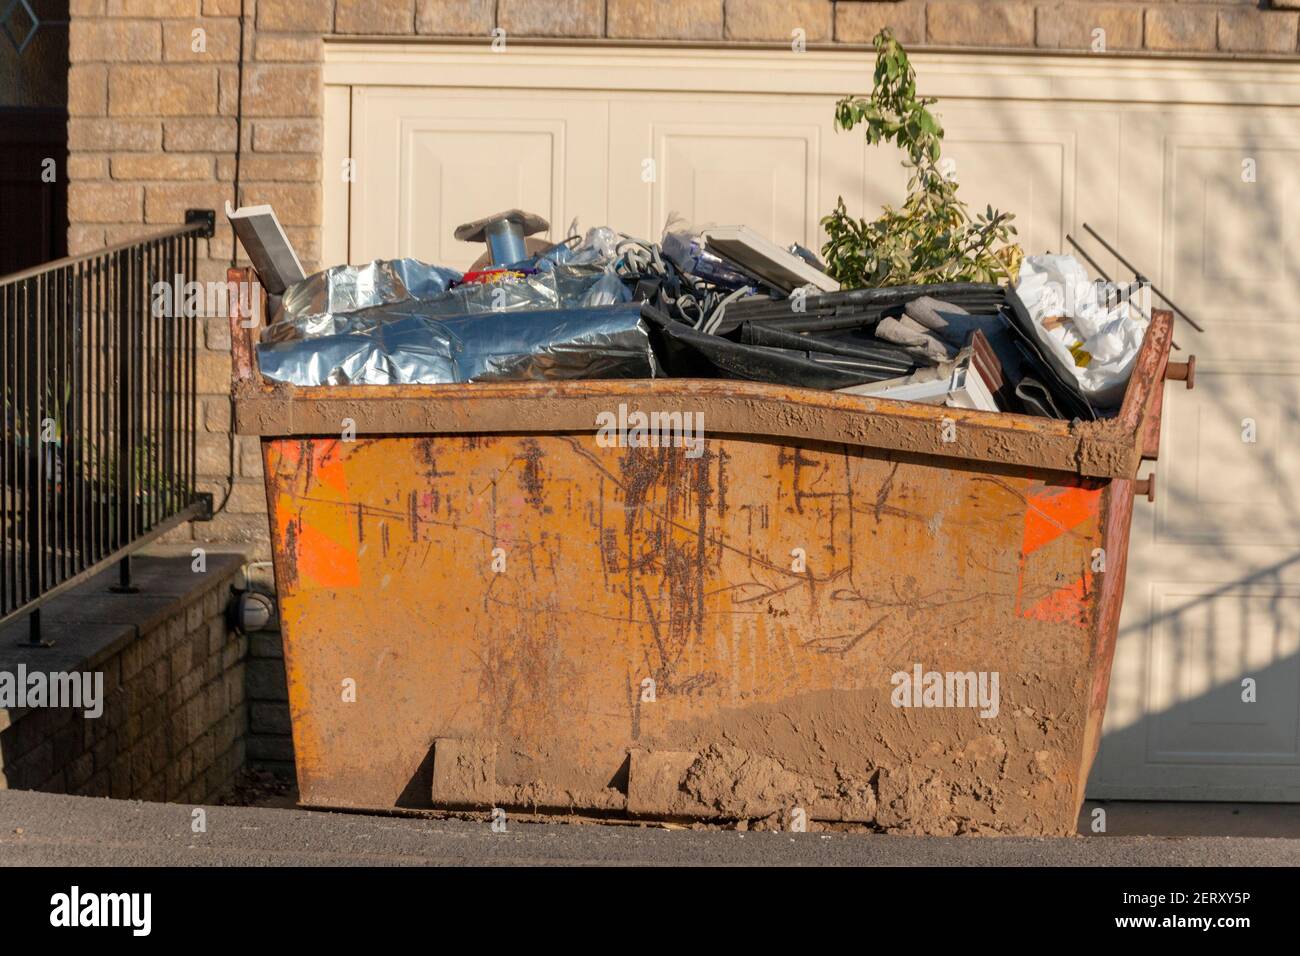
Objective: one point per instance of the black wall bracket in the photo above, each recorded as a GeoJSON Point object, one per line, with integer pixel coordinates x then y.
{"type": "Point", "coordinates": [206, 216]}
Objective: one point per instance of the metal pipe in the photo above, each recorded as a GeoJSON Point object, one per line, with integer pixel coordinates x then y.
{"type": "Point", "coordinates": [505, 241]}
{"type": "Point", "coordinates": [1138, 275]}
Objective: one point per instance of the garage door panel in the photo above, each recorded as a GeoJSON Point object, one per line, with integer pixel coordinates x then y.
{"type": "Point", "coordinates": [1233, 224]}
{"type": "Point", "coordinates": [1027, 178]}
{"type": "Point", "coordinates": [1231, 453]}
{"type": "Point", "coordinates": [1206, 644]}
{"type": "Point", "coordinates": [452, 174]}
{"type": "Point", "coordinates": [426, 164]}
{"type": "Point", "coordinates": [1228, 187]}
{"type": "Point", "coordinates": [766, 181]}
{"type": "Point", "coordinates": [1052, 166]}
{"type": "Point", "coordinates": [776, 165]}
{"type": "Point", "coordinates": [1184, 730]}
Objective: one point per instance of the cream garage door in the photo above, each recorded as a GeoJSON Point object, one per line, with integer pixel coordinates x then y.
{"type": "Point", "coordinates": [1192, 168]}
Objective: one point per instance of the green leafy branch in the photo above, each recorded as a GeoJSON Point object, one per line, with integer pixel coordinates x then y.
{"type": "Point", "coordinates": [933, 237]}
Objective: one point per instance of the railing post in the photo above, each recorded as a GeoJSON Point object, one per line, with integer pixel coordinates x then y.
{"type": "Point", "coordinates": [124, 585]}
{"type": "Point", "coordinates": [33, 492]}
{"type": "Point", "coordinates": [127, 298]}
{"type": "Point", "coordinates": [33, 349]}
{"type": "Point", "coordinates": [34, 638]}
{"type": "Point", "coordinates": [125, 387]}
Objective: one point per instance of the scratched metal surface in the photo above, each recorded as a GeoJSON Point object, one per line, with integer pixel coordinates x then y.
{"type": "Point", "coordinates": [622, 564]}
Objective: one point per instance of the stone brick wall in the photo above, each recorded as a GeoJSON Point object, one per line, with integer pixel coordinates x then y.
{"type": "Point", "coordinates": [269, 741]}
{"type": "Point", "coordinates": [174, 712]}
{"type": "Point", "coordinates": [152, 128]}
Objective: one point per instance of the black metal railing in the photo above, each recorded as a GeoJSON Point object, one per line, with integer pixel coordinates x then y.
{"type": "Point", "coordinates": [100, 413]}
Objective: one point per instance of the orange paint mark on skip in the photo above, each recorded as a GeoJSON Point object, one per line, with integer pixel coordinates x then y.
{"type": "Point", "coordinates": [324, 562]}
{"type": "Point", "coordinates": [1051, 512]}
{"type": "Point", "coordinates": [1063, 605]}
{"type": "Point", "coordinates": [1055, 510]}
{"type": "Point", "coordinates": [327, 466]}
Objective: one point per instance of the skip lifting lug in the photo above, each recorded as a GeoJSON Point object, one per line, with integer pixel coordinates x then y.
{"type": "Point", "coordinates": [1182, 371]}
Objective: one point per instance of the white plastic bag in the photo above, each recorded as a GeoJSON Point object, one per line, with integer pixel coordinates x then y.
{"type": "Point", "coordinates": [1087, 341]}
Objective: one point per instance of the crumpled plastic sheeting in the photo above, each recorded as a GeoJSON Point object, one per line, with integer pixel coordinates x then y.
{"type": "Point", "coordinates": [599, 247]}
{"type": "Point", "coordinates": [1058, 285]}
{"type": "Point", "coordinates": [397, 321]}
{"type": "Point", "coordinates": [562, 286]}
{"type": "Point", "coordinates": [411, 343]}
{"type": "Point", "coordinates": [313, 306]}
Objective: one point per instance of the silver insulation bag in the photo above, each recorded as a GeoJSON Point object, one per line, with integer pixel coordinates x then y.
{"type": "Point", "coordinates": [392, 345]}
{"type": "Point", "coordinates": [403, 322]}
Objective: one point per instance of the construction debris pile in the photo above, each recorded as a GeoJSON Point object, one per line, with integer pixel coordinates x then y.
{"type": "Point", "coordinates": [718, 302]}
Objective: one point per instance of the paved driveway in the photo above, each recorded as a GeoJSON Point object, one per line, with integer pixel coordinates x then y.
{"type": "Point", "coordinates": [39, 828]}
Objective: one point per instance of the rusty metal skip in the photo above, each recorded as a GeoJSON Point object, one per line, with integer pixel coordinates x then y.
{"type": "Point", "coordinates": [484, 605]}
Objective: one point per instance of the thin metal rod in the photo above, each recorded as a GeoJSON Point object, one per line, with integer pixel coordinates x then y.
{"type": "Point", "coordinates": [1138, 275]}
{"type": "Point", "coordinates": [169, 384]}
{"type": "Point", "coordinates": [1102, 272]}
{"type": "Point", "coordinates": [8, 536]}
{"type": "Point", "coordinates": [192, 385]}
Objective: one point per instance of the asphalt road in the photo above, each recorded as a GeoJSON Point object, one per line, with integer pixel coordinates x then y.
{"type": "Point", "coordinates": [47, 829]}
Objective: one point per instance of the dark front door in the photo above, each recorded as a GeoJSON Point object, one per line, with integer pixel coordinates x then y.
{"type": "Point", "coordinates": [33, 190]}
